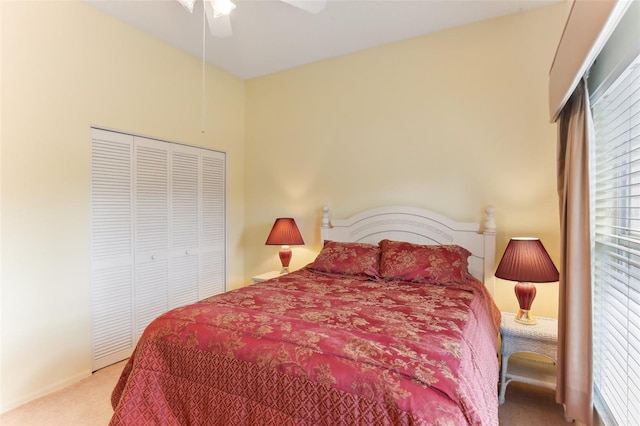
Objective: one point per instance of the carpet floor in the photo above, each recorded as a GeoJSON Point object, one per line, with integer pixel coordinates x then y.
{"type": "Point", "coordinates": [88, 403]}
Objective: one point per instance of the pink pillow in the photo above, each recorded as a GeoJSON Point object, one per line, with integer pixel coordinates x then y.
{"type": "Point", "coordinates": [423, 263]}
{"type": "Point", "coordinates": [348, 258]}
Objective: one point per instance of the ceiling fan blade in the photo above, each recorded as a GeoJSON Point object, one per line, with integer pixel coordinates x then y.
{"type": "Point", "coordinates": [311, 6]}
{"type": "Point", "coordinates": [187, 4]}
{"type": "Point", "coordinates": [219, 26]}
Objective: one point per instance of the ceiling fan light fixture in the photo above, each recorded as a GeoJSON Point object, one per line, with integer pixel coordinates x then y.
{"type": "Point", "coordinates": [188, 4]}
{"type": "Point", "coordinates": [222, 7]}
{"type": "Point", "coordinates": [217, 12]}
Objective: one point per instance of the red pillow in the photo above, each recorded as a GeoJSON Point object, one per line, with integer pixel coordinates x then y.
{"type": "Point", "coordinates": [348, 258]}
{"type": "Point", "coordinates": [423, 263]}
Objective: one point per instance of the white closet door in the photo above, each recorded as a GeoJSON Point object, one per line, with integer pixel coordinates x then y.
{"type": "Point", "coordinates": [185, 217]}
{"type": "Point", "coordinates": [151, 165]}
{"type": "Point", "coordinates": [111, 247]}
{"type": "Point", "coordinates": [158, 235]}
{"type": "Point", "coordinates": [213, 224]}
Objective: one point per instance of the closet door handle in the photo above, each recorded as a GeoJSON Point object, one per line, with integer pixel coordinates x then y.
{"type": "Point", "coordinates": [187, 252]}
{"type": "Point", "coordinates": [153, 257]}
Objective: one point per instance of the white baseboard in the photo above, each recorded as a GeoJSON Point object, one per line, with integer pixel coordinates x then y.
{"type": "Point", "coordinates": [8, 406]}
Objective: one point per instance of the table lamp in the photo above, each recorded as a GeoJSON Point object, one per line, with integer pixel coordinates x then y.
{"type": "Point", "coordinates": [284, 233]}
{"type": "Point", "coordinates": [526, 261]}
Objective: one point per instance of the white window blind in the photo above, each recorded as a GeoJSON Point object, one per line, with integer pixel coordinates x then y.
{"type": "Point", "coordinates": [615, 177]}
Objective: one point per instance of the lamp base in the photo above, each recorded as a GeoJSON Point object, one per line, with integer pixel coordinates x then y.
{"type": "Point", "coordinates": [285, 258]}
{"type": "Point", "coordinates": [525, 317]}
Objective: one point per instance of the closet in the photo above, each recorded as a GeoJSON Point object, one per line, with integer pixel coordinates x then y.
{"type": "Point", "coordinates": [158, 237]}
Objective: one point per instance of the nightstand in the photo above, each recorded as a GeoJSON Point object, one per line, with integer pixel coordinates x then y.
{"type": "Point", "coordinates": [265, 276]}
{"type": "Point", "coordinates": [539, 339]}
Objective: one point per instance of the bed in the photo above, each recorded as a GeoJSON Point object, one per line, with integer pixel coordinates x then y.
{"type": "Point", "coordinates": [390, 325]}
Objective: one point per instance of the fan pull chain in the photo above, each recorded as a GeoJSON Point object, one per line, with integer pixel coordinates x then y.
{"type": "Point", "coordinates": [204, 32]}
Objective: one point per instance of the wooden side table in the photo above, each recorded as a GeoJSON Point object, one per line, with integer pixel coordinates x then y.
{"type": "Point", "coordinates": [540, 339]}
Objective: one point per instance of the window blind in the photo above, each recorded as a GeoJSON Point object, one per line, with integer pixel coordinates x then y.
{"type": "Point", "coordinates": [615, 178]}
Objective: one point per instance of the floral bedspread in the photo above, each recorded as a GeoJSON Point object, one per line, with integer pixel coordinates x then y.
{"type": "Point", "coordinates": [313, 348]}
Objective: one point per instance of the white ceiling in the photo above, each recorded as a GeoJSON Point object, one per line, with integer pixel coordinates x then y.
{"type": "Point", "coordinates": [270, 35]}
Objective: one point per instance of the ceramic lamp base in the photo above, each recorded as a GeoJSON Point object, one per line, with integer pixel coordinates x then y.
{"type": "Point", "coordinates": [525, 317]}
{"type": "Point", "coordinates": [525, 293]}
{"type": "Point", "coordinates": [285, 258]}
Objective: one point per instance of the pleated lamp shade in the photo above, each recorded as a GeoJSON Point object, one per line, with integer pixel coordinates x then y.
{"type": "Point", "coordinates": [284, 232]}
{"type": "Point", "coordinates": [526, 261]}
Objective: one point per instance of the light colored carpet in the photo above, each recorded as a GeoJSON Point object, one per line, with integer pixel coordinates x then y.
{"type": "Point", "coordinates": [88, 403]}
{"type": "Point", "coordinates": [527, 405]}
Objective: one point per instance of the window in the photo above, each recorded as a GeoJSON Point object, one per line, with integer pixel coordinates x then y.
{"type": "Point", "coordinates": [615, 180]}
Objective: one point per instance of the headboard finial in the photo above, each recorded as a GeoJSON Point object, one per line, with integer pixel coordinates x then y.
{"type": "Point", "coordinates": [490, 222]}
{"type": "Point", "coordinates": [325, 217]}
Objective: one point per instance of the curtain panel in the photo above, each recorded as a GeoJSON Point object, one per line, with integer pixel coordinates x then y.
{"type": "Point", "coordinates": [574, 387]}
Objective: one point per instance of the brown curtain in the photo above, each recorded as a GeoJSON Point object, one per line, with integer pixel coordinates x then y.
{"type": "Point", "coordinates": [574, 388]}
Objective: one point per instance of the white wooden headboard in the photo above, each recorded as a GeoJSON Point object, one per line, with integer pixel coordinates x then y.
{"type": "Point", "coordinates": [418, 226]}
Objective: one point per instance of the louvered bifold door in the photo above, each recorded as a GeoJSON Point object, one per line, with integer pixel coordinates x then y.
{"type": "Point", "coordinates": [151, 164]}
{"type": "Point", "coordinates": [213, 224]}
{"type": "Point", "coordinates": [111, 244]}
{"type": "Point", "coordinates": [158, 235]}
{"type": "Point", "coordinates": [185, 216]}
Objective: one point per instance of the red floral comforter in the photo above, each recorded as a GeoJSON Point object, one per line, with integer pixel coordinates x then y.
{"type": "Point", "coordinates": [318, 349]}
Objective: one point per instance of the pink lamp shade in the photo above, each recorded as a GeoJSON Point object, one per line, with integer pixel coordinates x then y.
{"type": "Point", "coordinates": [284, 233]}
{"type": "Point", "coordinates": [526, 261]}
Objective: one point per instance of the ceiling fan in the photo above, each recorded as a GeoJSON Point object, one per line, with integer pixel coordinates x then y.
{"type": "Point", "coordinates": [217, 12]}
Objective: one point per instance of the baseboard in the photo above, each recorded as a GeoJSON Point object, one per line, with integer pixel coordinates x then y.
{"type": "Point", "coordinates": [44, 391]}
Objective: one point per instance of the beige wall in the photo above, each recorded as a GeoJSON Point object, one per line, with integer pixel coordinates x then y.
{"type": "Point", "coordinates": [66, 67]}
{"type": "Point", "coordinates": [452, 122]}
